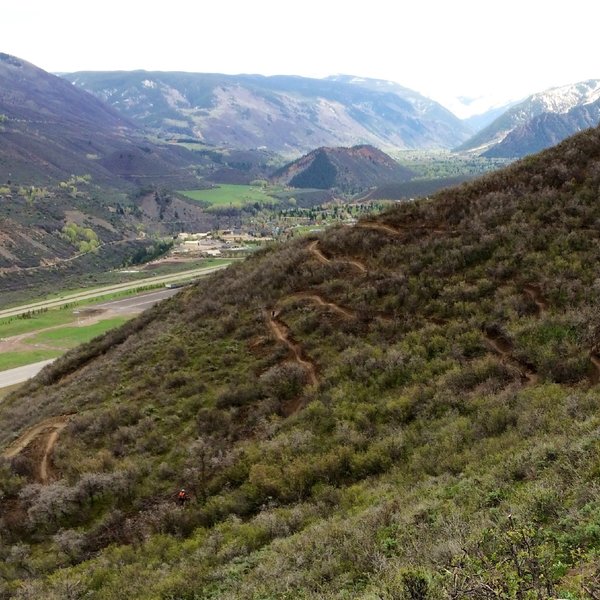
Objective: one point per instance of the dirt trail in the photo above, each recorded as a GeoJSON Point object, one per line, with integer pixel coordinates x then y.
{"type": "Point", "coordinates": [536, 295]}
{"type": "Point", "coordinates": [406, 229]}
{"type": "Point", "coordinates": [313, 247]}
{"type": "Point", "coordinates": [281, 332]}
{"type": "Point", "coordinates": [378, 227]}
{"type": "Point", "coordinates": [595, 372]}
{"type": "Point", "coordinates": [42, 438]}
{"type": "Point", "coordinates": [503, 347]}
{"type": "Point", "coordinates": [17, 342]}
{"type": "Point", "coordinates": [344, 312]}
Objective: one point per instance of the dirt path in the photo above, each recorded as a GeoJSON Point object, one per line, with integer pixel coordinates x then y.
{"type": "Point", "coordinates": [536, 295]}
{"type": "Point", "coordinates": [595, 373]}
{"type": "Point", "coordinates": [281, 333]}
{"type": "Point", "coordinates": [313, 247]}
{"type": "Point", "coordinates": [42, 438]}
{"type": "Point", "coordinates": [17, 342]}
{"type": "Point", "coordinates": [405, 229]}
{"type": "Point", "coordinates": [344, 312]}
{"type": "Point", "coordinates": [503, 348]}
{"type": "Point", "coordinates": [378, 227]}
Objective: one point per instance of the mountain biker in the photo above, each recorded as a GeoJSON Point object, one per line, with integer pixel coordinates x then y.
{"type": "Point", "coordinates": [182, 497]}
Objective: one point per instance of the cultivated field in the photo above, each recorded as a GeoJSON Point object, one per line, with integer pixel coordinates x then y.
{"type": "Point", "coordinates": [228, 195]}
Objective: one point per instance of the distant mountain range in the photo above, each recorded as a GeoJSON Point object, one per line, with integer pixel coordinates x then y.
{"type": "Point", "coordinates": [286, 114]}
{"type": "Point", "coordinates": [347, 169]}
{"type": "Point", "coordinates": [50, 130]}
{"type": "Point", "coordinates": [540, 121]}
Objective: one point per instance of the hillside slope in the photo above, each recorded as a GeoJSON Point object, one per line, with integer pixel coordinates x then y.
{"type": "Point", "coordinates": [347, 169]}
{"type": "Point", "coordinates": [406, 408]}
{"type": "Point", "coordinates": [285, 114]}
{"type": "Point", "coordinates": [50, 130]}
{"type": "Point", "coordinates": [539, 122]}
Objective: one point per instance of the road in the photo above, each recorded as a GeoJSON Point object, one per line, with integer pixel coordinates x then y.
{"type": "Point", "coordinates": [133, 304]}
{"type": "Point", "coordinates": [105, 291]}
{"type": "Point", "coordinates": [21, 374]}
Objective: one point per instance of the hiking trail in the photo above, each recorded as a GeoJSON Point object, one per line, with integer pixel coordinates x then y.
{"type": "Point", "coordinates": [42, 439]}
{"type": "Point", "coordinates": [503, 348]}
{"type": "Point", "coordinates": [378, 227]}
{"type": "Point", "coordinates": [536, 296]}
{"type": "Point", "coordinates": [344, 312]}
{"type": "Point", "coordinates": [281, 333]}
{"type": "Point", "coordinates": [313, 247]}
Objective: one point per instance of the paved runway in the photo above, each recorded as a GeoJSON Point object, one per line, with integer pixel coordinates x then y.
{"type": "Point", "coordinates": [136, 303]}
{"type": "Point", "coordinates": [20, 374]}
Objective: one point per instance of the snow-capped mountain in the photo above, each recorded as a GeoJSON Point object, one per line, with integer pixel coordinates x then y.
{"type": "Point", "coordinates": [541, 120]}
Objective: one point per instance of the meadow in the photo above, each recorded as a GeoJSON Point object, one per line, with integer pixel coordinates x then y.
{"type": "Point", "coordinates": [69, 337]}
{"type": "Point", "coordinates": [231, 196]}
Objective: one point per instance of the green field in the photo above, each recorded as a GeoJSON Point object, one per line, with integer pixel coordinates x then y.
{"type": "Point", "coordinates": [137, 273]}
{"type": "Point", "coordinates": [12, 360]}
{"type": "Point", "coordinates": [230, 195]}
{"type": "Point", "coordinates": [63, 338]}
{"type": "Point", "coordinates": [69, 337]}
{"type": "Point", "coordinates": [17, 325]}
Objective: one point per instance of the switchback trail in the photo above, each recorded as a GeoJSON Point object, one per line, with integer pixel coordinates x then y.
{"type": "Point", "coordinates": [595, 373]}
{"type": "Point", "coordinates": [344, 312]}
{"type": "Point", "coordinates": [405, 229]}
{"type": "Point", "coordinates": [535, 294]}
{"type": "Point", "coordinates": [281, 332]}
{"type": "Point", "coordinates": [378, 227]}
{"type": "Point", "coordinates": [42, 437]}
{"type": "Point", "coordinates": [313, 247]}
{"type": "Point", "coordinates": [503, 347]}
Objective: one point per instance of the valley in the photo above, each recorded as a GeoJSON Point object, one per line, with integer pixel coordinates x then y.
{"type": "Point", "coordinates": [361, 333]}
{"type": "Point", "coordinates": [407, 393]}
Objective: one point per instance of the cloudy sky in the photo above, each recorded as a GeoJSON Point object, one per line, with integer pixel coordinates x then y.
{"type": "Point", "coordinates": [488, 50]}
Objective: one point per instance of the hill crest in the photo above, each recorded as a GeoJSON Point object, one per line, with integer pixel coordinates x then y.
{"type": "Point", "coordinates": [350, 170]}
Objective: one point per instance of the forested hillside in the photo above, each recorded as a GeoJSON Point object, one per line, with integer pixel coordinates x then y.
{"type": "Point", "coordinates": [405, 408]}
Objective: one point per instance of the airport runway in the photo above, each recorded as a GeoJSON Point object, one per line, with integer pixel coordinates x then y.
{"type": "Point", "coordinates": [21, 374]}
{"type": "Point", "coordinates": [135, 304]}
{"type": "Point", "coordinates": [131, 305]}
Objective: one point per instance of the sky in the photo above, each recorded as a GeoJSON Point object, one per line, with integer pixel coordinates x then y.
{"type": "Point", "coordinates": [486, 50]}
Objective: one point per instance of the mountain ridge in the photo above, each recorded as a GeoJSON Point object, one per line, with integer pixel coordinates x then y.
{"type": "Point", "coordinates": [289, 114]}
{"type": "Point", "coordinates": [539, 121]}
{"type": "Point", "coordinates": [50, 131]}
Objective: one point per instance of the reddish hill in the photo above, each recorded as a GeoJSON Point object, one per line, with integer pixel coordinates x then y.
{"type": "Point", "coordinates": [350, 170]}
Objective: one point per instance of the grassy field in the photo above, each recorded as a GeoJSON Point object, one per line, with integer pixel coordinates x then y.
{"type": "Point", "coordinates": [12, 326]}
{"type": "Point", "coordinates": [230, 195]}
{"type": "Point", "coordinates": [17, 325]}
{"type": "Point", "coordinates": [12, 360]}
{"type": "Point", "coordinates": [69, 337]}
{"type": "Point", "coordinates": [168, 268]}
{"type": "Point", "coordinates": [62, 338]}
{"type": "Point", "coordinates": [139, 272]}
